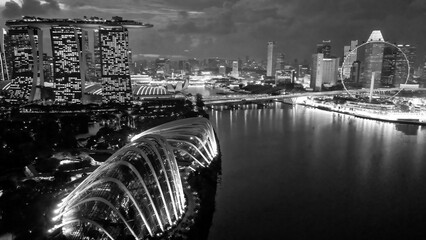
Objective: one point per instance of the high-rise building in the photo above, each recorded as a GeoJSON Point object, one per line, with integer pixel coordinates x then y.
{"type": "Point", "coordinates": [349, 57]}
{"type": "Point", "coordinates": [317, 71]}
{"type": "Point", "coordinates": [324, 48]}
{"type": "Point", "coordinates": [330, 70]}
{"type": "Point", "coordinates": [235, 69]}
{"type": "Point", "coordinates": [68, 63]}
{"type": "Point", "coordinates": [401, 65]}
{"type": "Point", "coordinates": [27, 63]}
{"type": "Point", "coordinates": [280, 62]}
{"type": "Point", "coordinates": [355, 71]}
{"type": "Point", "coordinates": [388, 65]}
{"type": "Point", "coordinates": [373, 59]}
{"type": "Point", "coordinates": [270, 71]}
{"type": "Point", "coordinates": [114, 44]}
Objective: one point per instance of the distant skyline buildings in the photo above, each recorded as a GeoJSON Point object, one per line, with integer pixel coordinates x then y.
{"type": "Point", "coordinates": [280, 62]}
{"type": "Point", "coordinates": [324, 48]}
{"type": "Point", "coordinates": [270, 68]}
{"type": "Point", "coordinates": [325, 67]}
{"type": "Point", "coordinates": [349, 56]}
{"type": "Point", "coordinates": [235, 72]}
{"type": "Point", "coordinates": [317, 71]}
{"type": "Point", "coordinates": [386, 61]}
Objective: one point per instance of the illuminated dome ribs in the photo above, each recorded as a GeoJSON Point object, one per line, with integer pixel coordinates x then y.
{"type": "Point", "coordinates": [191, 137]}
{"type": "Point", "coordinates": [138, 191]}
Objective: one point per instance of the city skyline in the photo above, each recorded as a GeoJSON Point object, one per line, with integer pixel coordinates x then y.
{"type": "Point", "coordinates": [233, 29]}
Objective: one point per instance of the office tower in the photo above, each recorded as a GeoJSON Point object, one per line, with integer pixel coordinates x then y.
{"type": "Point", "coordinates": [68, 63]}
{"type": "Point", "coordinates": [317, 69]}
{"type": "Point", "coordinates": [114, 44]}
{"type": "Point", "coordinates": [270, 71]}
{"type": "Point", "coordinates": [349, 57]}
{"type": "Point", "coordinates": [355, 72]}
{"type": "Point", "coordinates": [324, 48]}
{"type": "Point", "coordinates": [388, 65]}
{"type": "Point", "coordinates": [26, 47]}
{"type": "Point", "coordinates": [401, 65]}
{"type": "Point", "coordinates": [330, 70]}
{"type": "Point", "coordinates": [373, 59]}
{"type": "Point", "coordinates": [280, 62]}
{"type": "Point", "coordinates": [235, 69]}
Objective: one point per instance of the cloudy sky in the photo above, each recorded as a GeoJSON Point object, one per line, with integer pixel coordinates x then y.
{"type": "Point", "coordinates": [239, 28]}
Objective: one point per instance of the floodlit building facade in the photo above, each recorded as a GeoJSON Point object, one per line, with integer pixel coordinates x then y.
{"type": "Point", "coordinates": [68, 63]}
{"type": "Point", "coordinates": [116, 84]}
{"type": "Point", "coordinates": [27, 61]}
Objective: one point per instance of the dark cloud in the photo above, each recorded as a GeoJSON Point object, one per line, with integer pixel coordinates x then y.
{"type": "Point", "coordinates": [29, 7]}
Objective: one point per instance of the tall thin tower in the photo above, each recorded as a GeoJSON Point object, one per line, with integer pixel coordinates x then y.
{"type": "Point", "coordinates": [270, 61]}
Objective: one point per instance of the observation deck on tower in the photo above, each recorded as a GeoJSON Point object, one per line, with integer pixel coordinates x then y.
{"type": "Point", "coordinates": [92, 22]}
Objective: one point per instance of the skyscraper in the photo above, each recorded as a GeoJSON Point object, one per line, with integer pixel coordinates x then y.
{"type": "Point", "coordinates": [114, 44]}
{"type": "Point", "coordinates": [401, 66]}
{"type": "Point", "coordinates": [280, 62]}
{"type": "Point", "coordinates": [317, 71]}
{"type": "Point", "coordinates": [355, 71]}
{"type": "Point", "coordinates": [27, 61]}
{"type": "Point", "coordinates": [235, 69]}
{"type": "Point", "coordinates": [388, 65]}
{"type": "Point", "coordinates": [68, 62]}
{"type": "Point", "coordinates": [373, 59]}
{"type": "Point", "coordinates": [270, 71]}
{"type": "Point", "coordinates": [324, 48]}
{"type": "Point", "coordinates": [349, 57]}
{"type": "Point", "coordinates": [330, 70]}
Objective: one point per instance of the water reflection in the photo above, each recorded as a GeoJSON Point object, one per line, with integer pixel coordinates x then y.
{"type": "Point", "coordinates": [319, 174]}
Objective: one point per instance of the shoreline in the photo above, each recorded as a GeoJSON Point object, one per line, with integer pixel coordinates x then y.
{"type": "Point", "coordinates": [370, 117]}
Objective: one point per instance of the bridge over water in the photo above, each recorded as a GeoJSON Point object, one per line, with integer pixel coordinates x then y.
{"type": "Point", "coordinates": [258, 98]}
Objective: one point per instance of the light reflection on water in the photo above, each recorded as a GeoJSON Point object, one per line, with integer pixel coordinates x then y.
{"type": "Point", "coordinates": [295, 172]}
